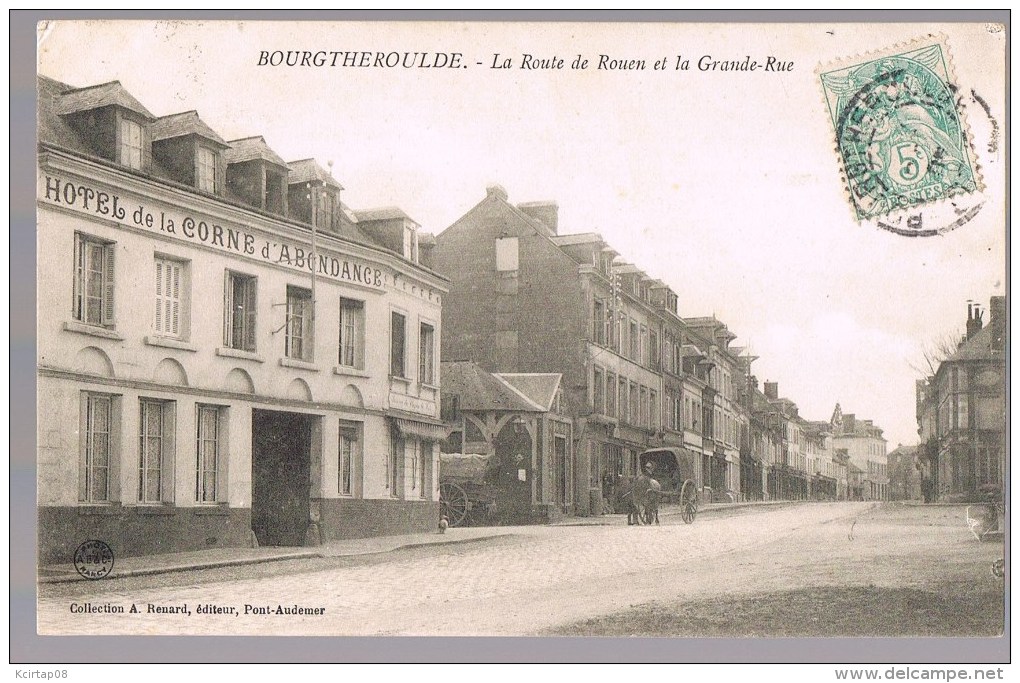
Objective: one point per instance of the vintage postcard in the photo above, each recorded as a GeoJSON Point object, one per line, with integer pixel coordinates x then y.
{"type": "Point", "coordinates": [606, 329]}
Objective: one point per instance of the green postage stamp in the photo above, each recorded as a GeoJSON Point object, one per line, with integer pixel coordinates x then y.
{"type": "Point", "coordinates": [900, 135]}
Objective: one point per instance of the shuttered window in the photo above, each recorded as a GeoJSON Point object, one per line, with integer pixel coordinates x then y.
{"type": "Point", "coordinates": [131, 144]}
{"type": "Point", "coordinates": [210, 444]}
{"type": "Point", "coordinates": [352, 333]}
{"type": "Point", "coordinates": [426, 354]}
{"type": "Point", "coordinates": [168, 297]}
{"type": "Point", "coordinates": [97, 429]}
{"type": "Point", "coordinates": [93, 281]}
{"type": "Point", "coordinates": [206, 163]}
{"type": "Point", "coordinates": [239, 311]}
{"type": "Point", "coordinates": [398, 345]}
{"type": "Point", "coordinates": [300, 324]}
{"type": "Point", "coordinates": [156, 451]}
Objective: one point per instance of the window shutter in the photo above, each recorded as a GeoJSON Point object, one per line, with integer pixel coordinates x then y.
{"type": "Point", "coordinates": [79, 277]}
{"type": "Point", "coordinates": [168, 456]}
{"type": "Point", "coordinates": [108, 308]}
{"type": "Point", "coordinates": [174, 285]}
{"type": "Point", "coordinates": [307, 349]}
{"type": "Point", "coordinates": [159, 296]}
{"type": "Point", "coordinates": [83, 437]}
{"type": "Point", "coordinates": [251, 303]}
{"type": "Point", "coordinates": [222, 454]}
{"type": "Point", "coordinates": [228, 309]}
{"type": "Point", "coordinates": [146, 148]}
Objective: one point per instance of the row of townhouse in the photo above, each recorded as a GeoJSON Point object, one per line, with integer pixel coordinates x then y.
{"type": "Point", "coordinates": [524, 298]}
{"type": "Point", "coordinates": [227, 354]}
{"type": "Point", "coordinates": [962, 412]}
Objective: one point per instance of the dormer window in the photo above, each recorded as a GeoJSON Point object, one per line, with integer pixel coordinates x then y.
{"type": "Point", "coordinates": [189, 151]}
{"type": "Point", "coordinates": [130, 144]}
{"type": "Point", "coordinates": [206, 169]}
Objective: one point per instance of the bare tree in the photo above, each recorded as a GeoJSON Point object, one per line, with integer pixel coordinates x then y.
{"type": "Point", "coordinates": [934, 352]}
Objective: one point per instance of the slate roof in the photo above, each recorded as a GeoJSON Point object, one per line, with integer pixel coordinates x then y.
{"type": "Point", "coordinates": [481, 391]}
{"type": "Point", "coordinates": [540, 388]}
{"type": "Point", "coordinates": [254, 147]}
{"type": "Point", "coordinates": [56, 98]}
{"type": "Point", "coordinates": [103, 95]}
{"type": "Point", "coordinates": [53, 129]}
{"type": "Point", "coordinates": [978, 347]}
{"type": "Point", "coordinates": [577, 238]}
{"type": "Point", "coordinates": [382, 214]}
{"type": "Point", "coordinates": [185, 123]}
{"type": "Point", "coordinates": [306, 170]}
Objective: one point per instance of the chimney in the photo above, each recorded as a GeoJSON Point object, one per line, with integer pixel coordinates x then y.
{"type": "Point", "coordinates": [849, 423]}
{"type": "Point", "coordinates": [496, 190]}
{"type": "Point", "coordinates": [546, 213]}
{"type": "Point", "coordinates": [772, 390]}
{"type": "Point", "coordinates": [997, 322]}
{"type": "Point", "coordinates": [973, 319]}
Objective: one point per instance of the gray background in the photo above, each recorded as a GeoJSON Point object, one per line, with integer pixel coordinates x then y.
{"type": "Point", "coordinates": [27, 647]}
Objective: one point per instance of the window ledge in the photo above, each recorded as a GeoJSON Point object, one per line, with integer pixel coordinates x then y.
{"type": "Point", "coordinates": [402, 380]}
{"type": "Point", "coordinates": [86, 509]}
{"type": "Point", "coordinates": [92, 330]}
{"type": "Point", "coordinates": [237, 353]}
{"type": "Point", "coordinates": [427, 385]}
{"type": "Point", "coordinates": [170, 343]}
{"type": "Point", "coordinates": [155, 509]}
{"type": "Point", "coordinates": [299, 364]}
{"type": "Point", "coordinates": [212, 509]}
{"type": "Point", "coordinates": [347, 370]}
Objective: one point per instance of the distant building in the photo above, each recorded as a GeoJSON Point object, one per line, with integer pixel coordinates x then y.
{"type": "Point", "coordinates": [865, 447]}
{"type": "Point", "coordinates": [203, 379]}
{"type": "Point", "coordinates": [904, 474]}
{"type": "Point", "coordinates": [961, 412]}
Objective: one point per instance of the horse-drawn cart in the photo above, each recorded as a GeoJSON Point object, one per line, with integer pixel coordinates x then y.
{"type": "Point", "coordinates": [666, 475]}
{"type": "Point", "coordinates": [464, 494]}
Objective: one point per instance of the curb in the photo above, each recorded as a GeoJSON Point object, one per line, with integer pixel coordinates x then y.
{"type": "Point", "coordinates": [212, 564]}
{"type": "Point", "coordinates": [241, 561]}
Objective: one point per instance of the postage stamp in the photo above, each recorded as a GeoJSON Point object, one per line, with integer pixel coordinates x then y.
{"type": "Point", "coordinates": [900, 133]}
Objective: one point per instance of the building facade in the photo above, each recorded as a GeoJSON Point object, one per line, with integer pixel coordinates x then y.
{"type": "Point", "coordinates": [961, 412]}
{"type": "Point", "coordinates": [212, 369]}
{"type": "Point", "coordinates": [865, 447]}
{"type": "Point", "coordinates": [524, 298]}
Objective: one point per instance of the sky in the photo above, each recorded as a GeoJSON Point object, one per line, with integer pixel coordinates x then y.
{"type": "Point", "coordinates": [723, 184]}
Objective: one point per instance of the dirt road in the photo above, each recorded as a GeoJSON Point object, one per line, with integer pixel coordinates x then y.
{"type": "Point", "coordinates": [542, 580]}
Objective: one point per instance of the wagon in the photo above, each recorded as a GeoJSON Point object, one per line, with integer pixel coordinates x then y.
{"type": "Point", "coordinates": [673, 469]}
{"type": "Point", "coordinates": [464, 492]}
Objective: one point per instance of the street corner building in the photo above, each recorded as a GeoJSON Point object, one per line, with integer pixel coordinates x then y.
{"type": "Point", "coordinates": [227, 354]}
{"type": "Point", "coordinates": [962, 412]}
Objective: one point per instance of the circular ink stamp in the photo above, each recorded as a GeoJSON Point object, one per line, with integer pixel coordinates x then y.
{"type": "Point", "coordinates": [902, 140]}
{"type": "Point", "coordinates": [94, 559]}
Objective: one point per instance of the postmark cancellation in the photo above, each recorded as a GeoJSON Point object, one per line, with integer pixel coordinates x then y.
{"type": "Point", "coordinates": [900, 132]}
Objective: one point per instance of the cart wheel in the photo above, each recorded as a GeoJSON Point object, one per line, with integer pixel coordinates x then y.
{"type": "Point", "coordinates": [453, 503]}
{"type": "Point", "coordinates": [688, 502]}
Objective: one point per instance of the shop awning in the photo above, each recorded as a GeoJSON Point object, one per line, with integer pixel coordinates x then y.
{"type": "Point", "coordinates": [422, 429]}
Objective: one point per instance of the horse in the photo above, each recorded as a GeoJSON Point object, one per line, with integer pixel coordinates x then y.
{"type": "Point", "coordinates": [640, 498]}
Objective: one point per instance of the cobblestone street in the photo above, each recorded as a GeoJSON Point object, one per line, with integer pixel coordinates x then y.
{"type": "Point", "coordinates": [536, 578]}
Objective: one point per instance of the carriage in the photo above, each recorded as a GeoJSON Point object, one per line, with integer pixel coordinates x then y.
{"type": "Point", "coordinates": [673, 470]}
{"type": "Point", "coordinates": [465, 494]}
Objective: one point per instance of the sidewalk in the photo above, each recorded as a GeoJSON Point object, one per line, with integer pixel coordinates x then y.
{"type": "Point", "coordinates": [228, 557]}
{"type": "Point", "coordinates": [667, 510]}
